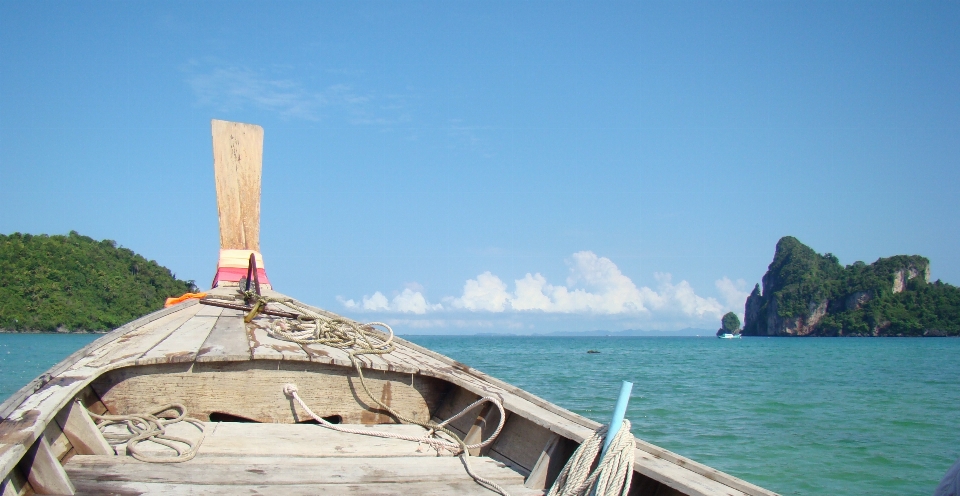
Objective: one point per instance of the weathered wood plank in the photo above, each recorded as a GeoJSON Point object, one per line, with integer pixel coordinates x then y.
{"type": "Point", "coordinates": [9, 488]}
{"type": "Point", "coordinates": [453, 403]}
{"type": "Point", "coordinates": [83, 434]}
{"type": "Point", "coordinates": [44, 471]}
{"type": "Point", "coordinates": [183, 344]}
{"type": "Point", "coordinates": [24, 425]}
{"type": "Point", "coordinates": [228, 470]}
{"type": "Point", "coordinates": [551, 462]}
{"type": "Point", "coordinates": [59, 444]}
{"type": "Point", "coordinates": [227, 340]}
{"type": "Point", "coordinates": [265, 347]}
{"type": "Point", "coordinates": [436, 488]}
{"type": "Point", "coordinates": [254, 390]}
{"type": "Point", "coordinates": [484, 425]}
{"type": "Point", "coordinates": [327, 354]}
{"type": "Point", "coordinates": [134, 344]}
{"type": "Point", "coordinates": [289, 441]}
{"type": "Point", "coordinates": [15, 484]}
{"type": "Point", "coordinates": [237, 164]}
{"type": "Point", "coordinates": [520, 442]}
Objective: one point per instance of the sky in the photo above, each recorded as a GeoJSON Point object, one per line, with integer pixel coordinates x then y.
{"type": "Point", "coordinates": [496, 166]}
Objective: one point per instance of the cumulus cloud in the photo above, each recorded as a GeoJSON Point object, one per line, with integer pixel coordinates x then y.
{"type": "Point", "coordinates": [734, 293]}
{"type": "Point", "coordinates": [595, 285]}
{"type": "Point", "coordinates": [485, 293]}
{"type": "Point", "coordinates": [408, 301]}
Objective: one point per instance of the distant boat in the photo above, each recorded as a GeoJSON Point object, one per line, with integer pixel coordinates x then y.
{"type": "Point", "coordinates": [727, 335]}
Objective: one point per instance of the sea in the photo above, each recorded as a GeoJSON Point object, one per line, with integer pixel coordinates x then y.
{"type": "Point", "coordinates": [799, 416]}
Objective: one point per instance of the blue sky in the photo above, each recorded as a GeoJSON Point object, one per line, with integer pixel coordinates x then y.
{"type": "Point", "coordinates": [494, 166]}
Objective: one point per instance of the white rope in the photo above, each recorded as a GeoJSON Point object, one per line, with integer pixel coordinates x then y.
{"type": "Point", "coordinates": [430, 438]}
{"type": "Point", "coordinates": [613, 474]}
{"type": "Point", "coordinates": [357, 339]}
{"type": "Point", "coordinates": [153, 428]}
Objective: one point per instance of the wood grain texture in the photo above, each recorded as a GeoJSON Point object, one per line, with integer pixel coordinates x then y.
{"type": "Point", "coordinates": [227, 340]}
{"type": "Point", "coordinates": [44, 471]}
{"type": "Point", "coordinates": [397, 475]}
{"type": "Point", "coordinates": [297, 441]}
{"type": "Point", "coordinates": [485, 423]}
{"type": "Point", "coordinates": [78, 427]}
{"type": "Point", "coordinates": [183, 344]}
{"type": "Point", "coordinates": [551, 462]}
{"type": "Point", "coordinates": [254, 390]}
{"type": "Point", "coordinates": [134, 344]}
{"type": "Point", "coordinates": [15, 485]}
{"type": "Point", "coordinates": [433, 488]}
{"type": "Point", "coordinates": [237, 164]}
{"type": "Point", "coordinates": [520, 442]}
{"type": "Point", "coordinates": [59, 444]}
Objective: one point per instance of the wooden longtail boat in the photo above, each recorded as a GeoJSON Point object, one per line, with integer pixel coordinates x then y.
{"type": "Point", "coordinates": [233, 377]}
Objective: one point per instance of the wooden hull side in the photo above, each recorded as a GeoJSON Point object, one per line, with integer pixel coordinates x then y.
{"type": "Point", "coordinates": [254, 390]}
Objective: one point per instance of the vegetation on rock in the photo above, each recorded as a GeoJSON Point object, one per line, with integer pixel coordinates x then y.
{"type": "Point", "coordinates": [806, 293]}
{"type": "Point", "coordinates": [74, 283]}
{"type": "Point", "coordinates": [730, 324]}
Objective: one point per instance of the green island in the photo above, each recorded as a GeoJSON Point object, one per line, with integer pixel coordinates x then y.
{"type": "Point", "coordinates": [808, 294]}
{"type": "Point", "coordinates": [729, 324]}
{"type": "Point", "coordinates": [74, 283]}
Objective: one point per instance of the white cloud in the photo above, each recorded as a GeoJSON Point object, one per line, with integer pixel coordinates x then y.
{"type": "Point", "coordinates": [376, 302]}
{"type": "Point", "coordinates": [734, 293]}
{"type": "Point", "coordinates": [408, 301]}
{"type": "Point", "coordinates": [595, 285]}
{"type": "Point", "coordinates": [485, 293]}
{"type": "Point", "coordinates": [681, 297]}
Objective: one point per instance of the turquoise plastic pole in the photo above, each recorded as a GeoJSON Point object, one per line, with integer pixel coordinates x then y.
{"type": "Point", "coordinates": [618, 412]}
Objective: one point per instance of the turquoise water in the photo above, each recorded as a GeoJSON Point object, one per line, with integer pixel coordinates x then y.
{"type": "Point", "coordinates": [816, 416]}
{"type": "Point", "coordinates": [25, 356]}
{"type": "Point", "coordinates": [811, 416]}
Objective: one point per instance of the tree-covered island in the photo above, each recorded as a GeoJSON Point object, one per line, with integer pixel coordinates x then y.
{"type": "Point", "coordinates": [73, 283]}
{"type": "Point", "coordinates": [729, 324]}
{"type": "Point", "coordinates": [809, 294]}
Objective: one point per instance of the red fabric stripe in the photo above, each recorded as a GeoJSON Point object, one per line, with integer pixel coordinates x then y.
{"type": "Point", "coordinates": [234, 274]}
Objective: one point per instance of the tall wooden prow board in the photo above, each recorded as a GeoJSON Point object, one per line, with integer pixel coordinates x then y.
{"type": "Point", "coordinates": [237, 165]}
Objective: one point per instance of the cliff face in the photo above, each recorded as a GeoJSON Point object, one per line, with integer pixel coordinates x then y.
{"type": "Point", "coordinates": [808, 294]}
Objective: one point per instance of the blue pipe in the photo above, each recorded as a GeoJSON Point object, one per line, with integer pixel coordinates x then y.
{"type": "Point", "coordinates": [618, 413]}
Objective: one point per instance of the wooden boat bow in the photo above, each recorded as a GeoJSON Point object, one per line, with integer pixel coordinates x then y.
{"type": "Point", "coordinates": [230, 374]}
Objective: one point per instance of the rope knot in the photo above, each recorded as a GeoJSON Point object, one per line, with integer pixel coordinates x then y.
{"type": "Point", "coordinates": [290, 389]}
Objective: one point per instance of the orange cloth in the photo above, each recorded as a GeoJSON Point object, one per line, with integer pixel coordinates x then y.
{"type": "Point", "coordinates": [182, 298]}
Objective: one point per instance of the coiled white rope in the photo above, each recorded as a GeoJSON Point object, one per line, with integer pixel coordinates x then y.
{"type": "Point", "coordinates": [152, 427]}
{"type": "Point", "coordinates": [613, 474]}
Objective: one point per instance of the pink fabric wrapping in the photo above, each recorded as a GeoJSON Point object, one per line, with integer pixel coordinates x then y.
{"type": "Point", "coordinates": [234, 274]}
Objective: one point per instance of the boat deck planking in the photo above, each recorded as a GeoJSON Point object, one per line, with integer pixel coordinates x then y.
{"type": "Point", "coordinates": [192, 340]}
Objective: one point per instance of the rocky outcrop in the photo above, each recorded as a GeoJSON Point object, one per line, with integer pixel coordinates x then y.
{"type": "Point", "coordinates": [805, 293]}
{"type": "Point", "coordinates": [900, 277]}
{"type": "Point", "coordinates": [856, 300]}
{"type": "Point", "coordinates": [796, 325]}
